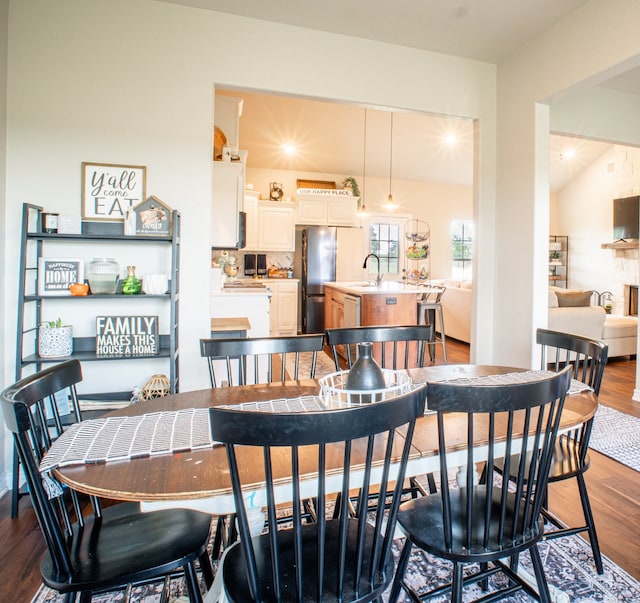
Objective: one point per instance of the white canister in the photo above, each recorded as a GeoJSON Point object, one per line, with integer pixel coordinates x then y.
{"type": "Point", "coordinates": [155, 284]}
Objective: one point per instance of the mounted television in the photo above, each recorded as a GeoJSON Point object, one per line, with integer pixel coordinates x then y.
{"type": "Point", "coordinates": [626, 218]}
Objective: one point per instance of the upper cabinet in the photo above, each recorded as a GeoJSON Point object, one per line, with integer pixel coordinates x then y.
{"type": "Point", "coordinates": [322, 210]}
{"type": "Point", "coordinates": [270, 225]}
{"type": "Point", "coordinates": [229, 165]}
{"type": "Point", "coordinates": [227, 204]}
{"type": "Point", "coordinates": [227, 114]}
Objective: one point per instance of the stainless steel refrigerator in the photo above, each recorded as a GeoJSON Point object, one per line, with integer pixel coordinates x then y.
{"type": "Point", "coordinates": [316, 247]}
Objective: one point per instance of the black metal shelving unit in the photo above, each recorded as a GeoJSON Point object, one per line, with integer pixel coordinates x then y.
{"type": "Point", "coordinates": [30, 303]}
{"type": "Point", "coordinates": [558, 260]}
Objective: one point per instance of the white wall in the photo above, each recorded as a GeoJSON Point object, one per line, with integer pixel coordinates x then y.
{"type": "Point", "coordinates": [132, 82]}
{"type": "Point", "coordinates": [587, 46]}
{"type": "Point", "coordinates": [583, 210]}
{"type": "Point", "coordinates": [436, 203]}
{"type": "Point", "coordinates": [6, 443]}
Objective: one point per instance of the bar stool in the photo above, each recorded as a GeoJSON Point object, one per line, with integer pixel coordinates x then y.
{"type": "Point", "coordinates": [428, 307]}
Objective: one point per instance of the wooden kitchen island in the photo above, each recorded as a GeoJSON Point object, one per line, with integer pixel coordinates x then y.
{"type": "Point", "coordinates": [390, 303]}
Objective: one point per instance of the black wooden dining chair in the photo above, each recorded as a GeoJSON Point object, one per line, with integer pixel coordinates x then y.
{"type": "Point", "coordinates": [395, 347]}
{"type": "Point", "coordinates": [105, 548]}
{"type": "Point", "coordinates": [495, 520]}
{"type": "Point", "coordinates": [588, 357]}
{"type": "Point", "coordinates": [241, 361]}
{"type": "Point", "coordinates": [58, 410]}
{"type": "Point", "coordinates": [323, 452]}
{"type": "Point", "coordinates": [261, 359]}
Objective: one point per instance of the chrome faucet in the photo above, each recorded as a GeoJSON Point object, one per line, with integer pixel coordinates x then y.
{"type": "Point", "coordinates": [364, 265]}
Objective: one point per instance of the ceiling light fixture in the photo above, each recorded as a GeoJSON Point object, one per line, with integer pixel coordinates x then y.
{"type": "Point", "coordinates": [568, 154]}
{"type": "Point", "coordinates": [451, 139]}
{"type": "Point", "coordinates": [289, 149]}
{"type": "Point", "coordinates": [390, 204]}
{"type": "Point", "coordinates": [362, 210]}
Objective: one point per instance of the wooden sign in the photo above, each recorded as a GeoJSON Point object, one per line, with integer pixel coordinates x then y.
{"type": "Point", "coordinates": [108, 190]}
{"type": "Point", "coordinates": [127, 336]}
{"type": "Point", "coordinates": [153, 217]}
{"type": "Point", "coordinates": [56, 274]}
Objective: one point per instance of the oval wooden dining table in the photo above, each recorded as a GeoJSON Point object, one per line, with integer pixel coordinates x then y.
{"type": "Point", "coordinates": [199, 478]}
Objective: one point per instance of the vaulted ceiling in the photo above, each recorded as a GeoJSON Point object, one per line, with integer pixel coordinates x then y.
{"type": "Point", "coordinates": [329, 137]}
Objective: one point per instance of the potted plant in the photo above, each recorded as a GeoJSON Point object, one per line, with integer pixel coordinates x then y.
{"type": "Point", "coordinates": [55, 340]}
{"type": "Point", "coordinates": [350, 183]}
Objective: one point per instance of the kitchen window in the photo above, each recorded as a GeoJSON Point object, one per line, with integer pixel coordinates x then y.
{"type": "Point", "coordinates": [461, 249]}
{"type": "Point", "coordinates": [386, 242]}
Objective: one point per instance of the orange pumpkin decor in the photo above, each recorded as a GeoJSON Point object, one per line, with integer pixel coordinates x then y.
{"type": "Point", "coordinates": [79, 289]}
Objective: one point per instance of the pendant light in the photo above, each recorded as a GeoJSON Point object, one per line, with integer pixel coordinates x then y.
{"type": "Point", "coordinates": [362, 210]}
{"type": "Point", "coordinates": [390, 204]}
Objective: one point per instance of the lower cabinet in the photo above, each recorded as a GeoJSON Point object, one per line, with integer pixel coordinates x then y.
{"type": "Point", "coordinates": [284, 307]}
{"type": "Point", "coordinates": [334, 311]}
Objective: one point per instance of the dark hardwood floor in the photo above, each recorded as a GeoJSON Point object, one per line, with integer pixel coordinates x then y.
{"type": "Point", "coordinates": [614, 490]}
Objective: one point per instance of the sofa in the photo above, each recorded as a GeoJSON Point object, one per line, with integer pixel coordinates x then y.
{"type": "Point", "coordinates": [572, 311]}
{"type": "Point", "coordinates": [586, 318]}
{"type": "Point", "coordinates": [456, 309]}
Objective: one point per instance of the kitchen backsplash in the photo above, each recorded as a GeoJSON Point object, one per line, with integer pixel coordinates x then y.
{"type": "Point", "coordinates": [274, 258]}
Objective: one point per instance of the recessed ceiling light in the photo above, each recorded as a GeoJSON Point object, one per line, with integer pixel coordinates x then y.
{"type": "Point", "coordinates": [289, 149]}
{"type": "Point", "coordinates": [451, 139]}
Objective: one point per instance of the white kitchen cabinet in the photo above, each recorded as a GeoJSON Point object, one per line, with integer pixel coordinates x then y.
{"type": "Point", "coordinates": [254, 306]}
{"type": "Point", "coordinates": [227, 202]}
{"type": "Point", "coordinates": [251, 211]}
{"type": "Point", "coordinates": [276, 226]}
{"type": "Point", "coordinates": [227, 113]}
{"type": "Point", "coordinates": [284, 307]}
{"type": "Point", "coordinates": [323, 211]}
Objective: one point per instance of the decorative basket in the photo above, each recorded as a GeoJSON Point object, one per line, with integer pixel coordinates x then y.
{"type": "Point", "coordinates": [156, 387]}
{"type": "Point", "coordinates": [333, 392]}
{"type": "Point", "coordinates": [415, 253]}
{"type": "Point", "coordinates": [219, 140]}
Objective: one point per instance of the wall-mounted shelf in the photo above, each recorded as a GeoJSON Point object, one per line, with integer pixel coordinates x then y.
{"type": "Point", "coordinates": [621, 245]}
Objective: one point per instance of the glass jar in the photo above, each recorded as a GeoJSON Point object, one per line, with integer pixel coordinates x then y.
{"type": "Point", "coordinates": [131, 285]}
{"type": "Point", "coordinates": [103, 276]}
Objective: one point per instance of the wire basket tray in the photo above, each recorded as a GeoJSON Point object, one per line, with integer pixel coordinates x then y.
{"type": "Point", "coordinates": [333, 392]}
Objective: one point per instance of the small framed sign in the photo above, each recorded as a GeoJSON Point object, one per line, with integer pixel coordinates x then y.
{"type": "Point", "coordinates": [108, 190]}
{"type": "Point", "coordinates": [127, 336]}
{"type": "Point", "coordinates": [153, 217]}
{"type": "Point", "coordinates": [56, 274]}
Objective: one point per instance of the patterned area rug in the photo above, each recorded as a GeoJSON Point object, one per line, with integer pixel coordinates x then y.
{"type": "Point", "coordinates": [617, 435]}
{"type": "Point", "coordinates": [324, 364]}
{"type": "Point", "coordinates": [567, 562]}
